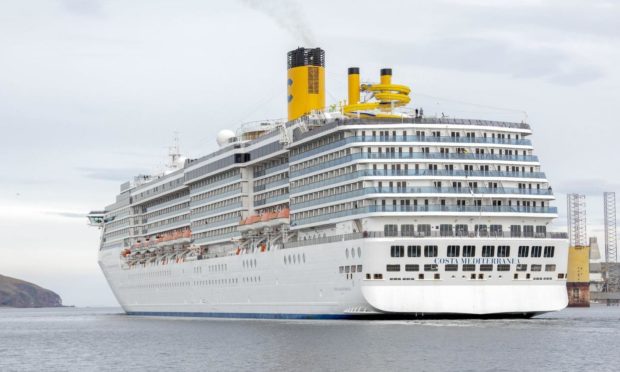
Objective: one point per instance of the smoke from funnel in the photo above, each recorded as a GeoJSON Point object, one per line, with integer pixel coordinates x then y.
{"type": "Point", "coordinates": [288, 15]}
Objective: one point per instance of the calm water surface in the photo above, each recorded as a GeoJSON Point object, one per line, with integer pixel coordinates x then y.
{"type": "Point", "coordinates": [105, 340]}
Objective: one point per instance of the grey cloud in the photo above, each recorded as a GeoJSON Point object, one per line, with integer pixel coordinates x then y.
{"type": "Point", "coordinates": [91, 8]}
{"type": "Point", "coordinates": [110, 174]}
{"type": "Point", "coordinates": [587, 186]}
{"type": "Point", "coordinates": [491, 56]}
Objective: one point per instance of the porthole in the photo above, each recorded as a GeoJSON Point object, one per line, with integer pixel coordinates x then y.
{"type": "Point", "coordinates": [352, 253]}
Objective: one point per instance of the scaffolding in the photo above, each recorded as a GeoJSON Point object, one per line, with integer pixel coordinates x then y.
{"type": "Point", "coordinates": [612, 269]}
{"type": "Point", "coordinates": [576, 218]}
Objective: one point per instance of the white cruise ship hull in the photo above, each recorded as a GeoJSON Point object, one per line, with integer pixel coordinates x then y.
{"type": "Point", "coordinates": [266, 285]}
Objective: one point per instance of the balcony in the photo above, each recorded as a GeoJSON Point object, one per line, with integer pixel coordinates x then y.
{"type": "Point", "coordinates": [412, 155]}
{"type": "Point", "coordinates": [409, 140]}
{"type": "Point", "coordinates": [479, 192]}
{"type": "Point", "coordinates": [469, 209]}
{"type": "Point", "coordinates": [413, 172]}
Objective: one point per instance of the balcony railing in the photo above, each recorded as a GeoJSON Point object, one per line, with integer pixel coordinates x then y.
{"type": "Point", "coordinates": [409, 139]}
{"type": "Point", "coordinates": [412, 155]}
{"type": "Point", "coordinates": [435, 234]}
{"type": "Point", "coordinates": [470, 209]}
{"type": "Point", "coordinates": [413, 172]}
{"type": "Point", "coordinates": [463, 191]}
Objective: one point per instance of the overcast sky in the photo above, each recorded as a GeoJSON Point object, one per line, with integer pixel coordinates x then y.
{"type": "Point", "coordinates": [92, 91]}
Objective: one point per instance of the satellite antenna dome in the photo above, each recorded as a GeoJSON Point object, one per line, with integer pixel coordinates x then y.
{"type": "Point", "coordinates": [224, 137]}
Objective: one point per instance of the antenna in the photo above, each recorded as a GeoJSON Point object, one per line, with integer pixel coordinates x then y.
{"type": "Point", "coordinates": [612, 274]}
{"type": "Point", "coordinates": [576, 212]}
{"type": "Point", "coordinates": [174, 154]}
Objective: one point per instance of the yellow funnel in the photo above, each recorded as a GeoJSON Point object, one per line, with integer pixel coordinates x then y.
{"type": "Point", "coordinates": [306, 81]}
{"type": "Point", "coordinates": [354, 85]}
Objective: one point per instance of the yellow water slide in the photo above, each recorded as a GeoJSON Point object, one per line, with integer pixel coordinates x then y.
{"type": "Point", "coordinates": [387, 96]}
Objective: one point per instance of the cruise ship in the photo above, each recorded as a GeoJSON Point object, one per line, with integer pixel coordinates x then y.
{"type": "Point", "coordinates": [367, 208]}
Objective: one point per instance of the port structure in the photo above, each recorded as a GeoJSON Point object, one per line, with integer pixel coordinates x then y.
{"type": "Point", "coordinates": [576, 216]}
{"type": "Point", "coordinates": [612, 269]}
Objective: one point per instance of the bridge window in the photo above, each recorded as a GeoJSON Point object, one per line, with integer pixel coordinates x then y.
{"type": "Point", "coordinates": [524, 251]}
{"type": "Point", "coordinates": [536, 251]}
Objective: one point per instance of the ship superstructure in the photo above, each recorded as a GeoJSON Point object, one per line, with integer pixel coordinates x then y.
{"type": "Point", "coordinates": [360, 210]}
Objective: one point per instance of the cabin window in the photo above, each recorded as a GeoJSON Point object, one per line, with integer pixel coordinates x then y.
{"type": "Point", "coordinates": [452, 267]}
{"type": "Point", "coordinates": [469, 267]}
{"type": "Point", "coordinates": [390, 230]}
{"type": "Point", "coordinates": [430, 251]}
{"type": "Point", "coordinates": [488, 250]}
{"type": "Point", "coordinates": [453, 251]}
{"type": "Point", "coordinates": [503, 251]}
{"type": "Point", "coordinates": [549, 267]}
{"type": "Point", "coordinates": [407, 230]}
{"type": "Point", "coordinates": [486, 267]}
{"type": "Point", "coordinates": [521, 267]}
{"type": "Point", "coordinates": [412, 267]}
{"type": "Point", "coordinates": [549, 251]}
{"type": "Point", "coordinates": [430, 267]}
{"type": "Point", "coordinates": [414, 251]}
{"type": "Point", "coordinates": [503, 267]}
{"type": "Point", "coordinates": [536, 267]}
{"type": "Point", "coordinates": [397, 251]}
{"type": "Point", "coordinates": [469, 250]}
{"type": "Point", "coordinates": [392, 268]}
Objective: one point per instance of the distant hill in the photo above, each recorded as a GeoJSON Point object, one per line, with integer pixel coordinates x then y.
{"type": "Point", "coordinates": [18, 293]}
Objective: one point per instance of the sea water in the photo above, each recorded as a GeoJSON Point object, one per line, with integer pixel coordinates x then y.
{"type": "Point", "coordinates": [85, 339]}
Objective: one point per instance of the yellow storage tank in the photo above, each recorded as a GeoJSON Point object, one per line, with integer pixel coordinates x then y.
{"type": "Point", "coordinates": [306, 81]}
{"type": "Point", "coordinates": [578, 264]}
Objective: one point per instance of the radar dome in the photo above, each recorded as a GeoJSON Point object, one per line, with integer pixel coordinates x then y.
{"type": "Point", "coordinates": [224, 137]}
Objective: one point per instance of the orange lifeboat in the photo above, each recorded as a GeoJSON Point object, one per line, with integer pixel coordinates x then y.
{"type": "Point", "coordinates": [284, 213]}
{"type": "Point", "coordinates": [187, 233]}
{"type": "Point", "coordinates": [252, 219]}
{"type": "Point", "coordinates": [268, 216]}
{"type": "Point", "coordinates": [242, 222]}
